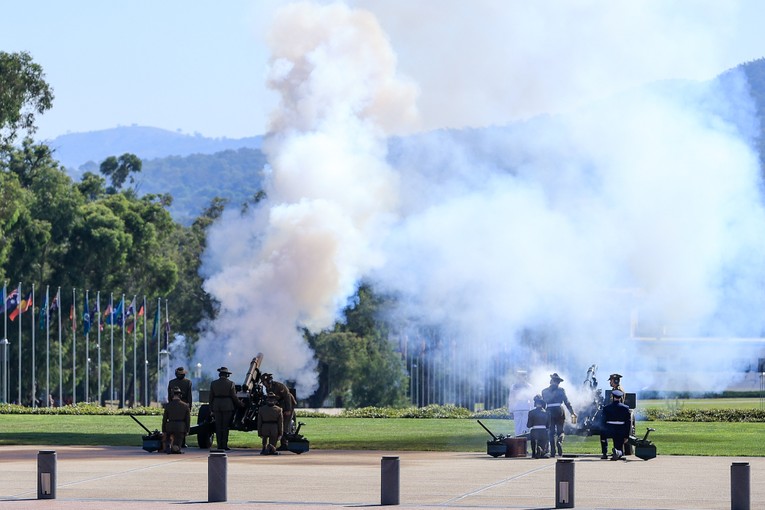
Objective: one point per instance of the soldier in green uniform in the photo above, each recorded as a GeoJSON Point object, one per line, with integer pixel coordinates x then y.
{"type": "Point", "coordinates": [285, 400]}
{"type": "Point", "coordinates": [176, 421]}
{"type": "Point", "coordinates": [223, 402]}
{"type": "Point", "coordinates": [183, 384]}
{"type": "Point", "coordinates": [270, 424]}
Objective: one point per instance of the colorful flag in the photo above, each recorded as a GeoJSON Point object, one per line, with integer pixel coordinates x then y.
{"type": "Point", "coordinates": [108, 310]}
{"type": "Point", "coordinates": [116, 314]}
{"type": "Point", "coordinates": [155, 330]}
{"type": "Point", "coordinates": [20, 307]}
{"type": "Point", "coordinates": [11, 302]}
{"type": "Point", "coordinates": [53, 305]}
{"type": "Point", "coordinates": [86, 317]}
{"type": "Point", "coordinates": [43, 310]}
{"type": "Point", "coordinates": [71, 318]}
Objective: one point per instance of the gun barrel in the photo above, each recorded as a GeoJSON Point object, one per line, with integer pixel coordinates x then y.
{"type": "Point", "coordinates": [487, 430]}
{"type": "Point", "coordinates": [141, 424]}
{"type": "Point", "coordinates": [253, 373]}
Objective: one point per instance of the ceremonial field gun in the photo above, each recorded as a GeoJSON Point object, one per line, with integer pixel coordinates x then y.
{"type": "Point", "coordinates": [252, 393]}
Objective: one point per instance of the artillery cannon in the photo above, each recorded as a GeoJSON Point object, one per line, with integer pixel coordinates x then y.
{"type": "Point", "coordinates": [152, 441]}
{"type": "Point", "coordinates": [252, 393]}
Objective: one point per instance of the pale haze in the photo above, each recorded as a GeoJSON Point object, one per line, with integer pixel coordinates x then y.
{"type": "Point", "coordinates": [200, 67]}
{"type": "Point", "coordinates": [606, 202]}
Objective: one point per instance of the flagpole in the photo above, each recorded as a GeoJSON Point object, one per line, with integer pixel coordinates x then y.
{"type": "Point", "coordinates": [98, 344]}
{"type": "Point", "coordinates": [6, 362]}
{"type": "Point", "coordinates": [157, 315]}
{"type": "Point", "coordinates": [47, 345]}
{"type": "Point", "coordinates": [60, 355]}
{"type": "Point", "coordinates": [122, 393]}
{"type": "Point", "coordinates": [111, 334]}
{"type": "Point", "coordinates": [34, 376]}
{"type": "Point", "coordinates": [86, 312]}
{"type": "Point", "coordinates": [135, 353]}
{"type": "Point", "coordinates": [74, 348]}
{"type": "Point", "coordinates": [19, 305]}
{"type": "Point", "coordinates": [145, 358]}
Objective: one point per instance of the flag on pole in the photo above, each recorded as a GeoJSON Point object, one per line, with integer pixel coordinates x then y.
{"type": "Point", "coordinates": [11, 302]}
{"type": "Point", "coordinates": [116, 315]}
{"type": "Point", "coordinates": [157, 316]}
{"type": "Point", "coordinates": [86, 317]}
{"type": "Point", "coordinates": [21, 307]}
{"type": "Point", "coordinates": [130, 312]}
{"type": "Point", "coordinates": [53, 305]}
{"type": "Point", "coordinates": [43, 311]}
{"type": "Point", "coordinates": [72, 318]}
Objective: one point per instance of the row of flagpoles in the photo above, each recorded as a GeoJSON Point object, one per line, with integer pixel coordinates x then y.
{"type": "Point", "coordinates": [13, 307]}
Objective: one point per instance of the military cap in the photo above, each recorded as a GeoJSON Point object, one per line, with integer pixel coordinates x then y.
{"type": "Point", "coordinates": [614, 376]}
{"type": "Point", "coordinates": [617, 393]}
{"type": "Point", "coordinates": [224, 370]}
{"type": "Point", "coordinates": [180, 370]}
{"type": "Point", "coordinates": [555, 377]}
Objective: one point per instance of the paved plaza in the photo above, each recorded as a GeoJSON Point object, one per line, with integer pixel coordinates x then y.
{"type": "Point", "coordinates": [126, 477]}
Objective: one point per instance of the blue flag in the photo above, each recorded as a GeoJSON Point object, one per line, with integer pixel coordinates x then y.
{"type": "Point", "coordinates": [86, 317]}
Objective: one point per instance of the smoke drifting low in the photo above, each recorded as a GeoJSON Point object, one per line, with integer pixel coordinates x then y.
{"type": "Point", "coordinates": [639, 212]}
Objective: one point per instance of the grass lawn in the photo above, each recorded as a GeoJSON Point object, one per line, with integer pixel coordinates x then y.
{"type": "Point", "coordinates": [393, 434]}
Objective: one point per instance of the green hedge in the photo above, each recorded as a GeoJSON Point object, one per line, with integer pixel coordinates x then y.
{"type": "Point", "coordinates": [83, 409]}
{"type": "Point", "coordinates": [703, 415]}
{"type": "Point", "coordinates": [431, 411]}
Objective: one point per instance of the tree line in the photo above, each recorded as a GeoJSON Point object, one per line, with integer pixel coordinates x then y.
{"type": "Point", "coordinates": [99, 234]}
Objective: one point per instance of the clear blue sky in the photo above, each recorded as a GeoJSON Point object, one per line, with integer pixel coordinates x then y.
{"type": "Point", "coordinates": [200, 66]}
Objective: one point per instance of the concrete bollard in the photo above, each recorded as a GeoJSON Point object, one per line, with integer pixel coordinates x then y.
{"type": "Point", "coordinates": [739, 486]}
{"type": "Point", "coordinates": [217, 471]}
{"type": "Point", "coordinates": [564, 483]}
{"type": "Point", "coordinates": [390, 481]}
{"type": "Point", "coordinates": [46, 474]}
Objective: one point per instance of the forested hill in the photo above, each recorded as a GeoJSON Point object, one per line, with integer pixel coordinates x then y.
{"type": "Point", "coordinates": [75, 149]}
{"type": "Point", "coordinates": [195, 169]}
{"type": "Point", "coordinates": [194, 181]}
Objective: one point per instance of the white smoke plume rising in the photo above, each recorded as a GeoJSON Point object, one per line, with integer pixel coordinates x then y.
{"type": "Point", "coordinates": [548, 241]}
{"type": "Point", "coordinates": [295, 262]}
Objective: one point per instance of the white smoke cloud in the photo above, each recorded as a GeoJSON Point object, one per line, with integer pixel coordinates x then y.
{"type": "Point", "coordinates": [639, 205]}
{"type": "Point", "coordinates": [294, 262]}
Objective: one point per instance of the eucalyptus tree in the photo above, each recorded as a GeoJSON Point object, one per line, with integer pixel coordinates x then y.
{"type": "Point", "coordinates": [24, 93]}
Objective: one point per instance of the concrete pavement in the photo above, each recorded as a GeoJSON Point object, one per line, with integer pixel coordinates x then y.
{"type": "Point", "coordinates": [126, 477]}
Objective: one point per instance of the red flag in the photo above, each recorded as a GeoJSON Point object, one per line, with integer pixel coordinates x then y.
{"type": "Point", "coordinates": [72, 318]}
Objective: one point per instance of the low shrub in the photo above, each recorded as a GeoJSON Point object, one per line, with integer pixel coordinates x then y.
{"type": "Point", "coordinates": [702, 415]}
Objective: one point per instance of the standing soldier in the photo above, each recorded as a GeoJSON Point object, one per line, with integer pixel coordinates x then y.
{"type": "Point", "coordinates": [223, 401]}
{"type": "Point", "coordinates": [270, 425]}
{"type": "Point", "coordinates": [181, 383]}
{"type": "Point", "coordinates": [555, 397]}
{"type": "Point", "coordinates": [285, 400]}
{"type": "Point", "coordinates": [184, 385]}
{"type": "Point", "coordinates": [519, 403]}
{"type": "Point", "coordinates": [537, 425]}
{"type": "Point", "coordinates": [176, 421]}
{"type": "Point", "coordinates": [615, 381]}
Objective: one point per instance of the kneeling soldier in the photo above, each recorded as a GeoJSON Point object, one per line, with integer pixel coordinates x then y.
{"type": "Point", "coordinates": [616, 425]}
{"type": "Point", "coordinates": [176, 422]}
{"type": "Point", "coordinates": [270, 425]}
{"type": "Point", "coordinates": [537, 424]}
